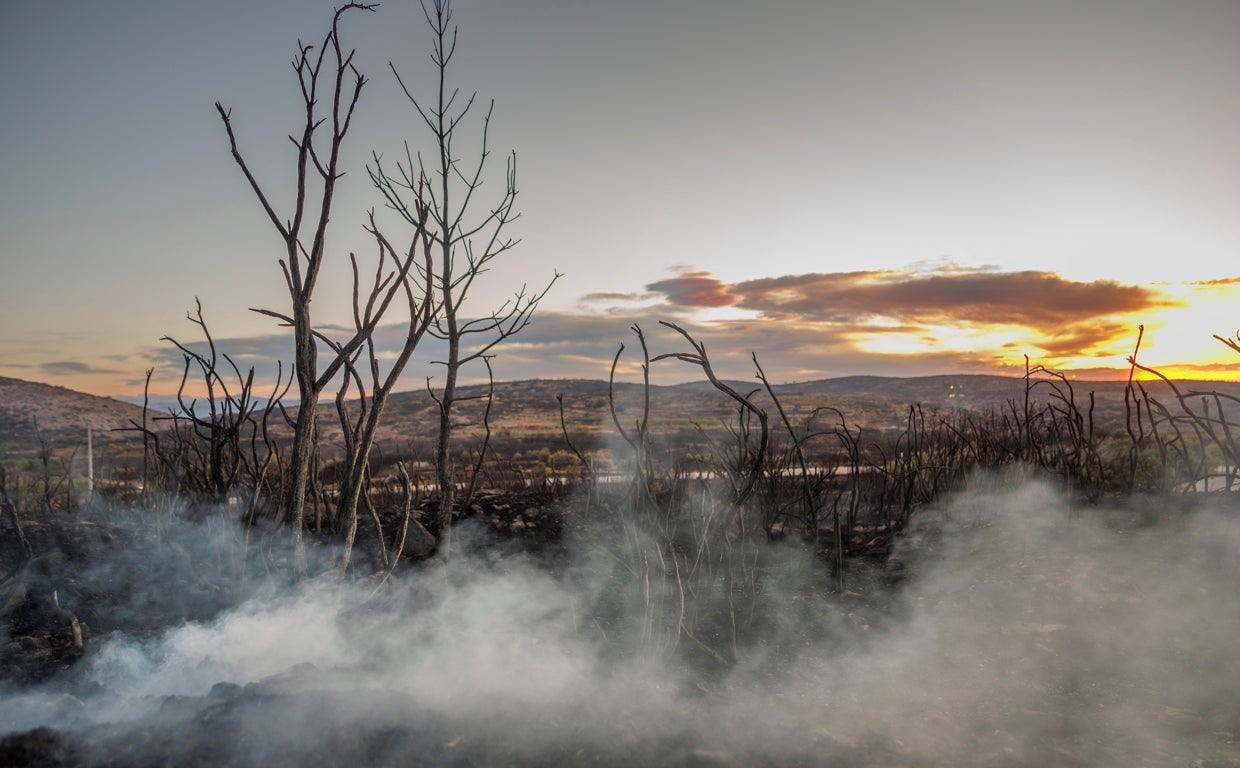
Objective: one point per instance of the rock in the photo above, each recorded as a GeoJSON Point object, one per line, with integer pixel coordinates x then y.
{"type": "Point", "coordinates": [40, 748]}
{"type": "Point", "coordinates": [419, 542]}
{"type": "Point", "coordinates": [224, 692]}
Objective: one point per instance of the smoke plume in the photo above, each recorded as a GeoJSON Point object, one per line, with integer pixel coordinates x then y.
{"type": "Point", "coordinates": [1009, 628]}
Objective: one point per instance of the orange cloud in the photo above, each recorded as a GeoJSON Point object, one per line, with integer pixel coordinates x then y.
{"type": "Point", "coordinates": [695, 289]}
{"type": "Point", "coordinates": [1223, 281]}
{"type": "Point", "coordinates": [948, 306]}
{"type": "Point", "coordinates": [1028, 298]}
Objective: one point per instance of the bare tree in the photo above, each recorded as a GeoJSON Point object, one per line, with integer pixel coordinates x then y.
{"type": "Point", "coordinates": [360, 427]}
{"type": "Point", "coordinates": [468, 237]}
{"type": "Point", "coordinates": [326, 76]}
{"type": "Point", "coordinates": [210, 452]}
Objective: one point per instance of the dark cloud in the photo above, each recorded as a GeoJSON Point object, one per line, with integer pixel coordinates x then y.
{"type": "Point", "coordinates": [808, 327]}
{"type": "Point", "coordinates": [1088, 339]}
{"type": "Point", "coordinates": [955, 296]}
{"type": "Point", "coordinates": [1032, 299]}
{"type": "Point", "coordinates": [72, 368]}
{"type": "Point", "coordinates": [270, 356]}
{"type": "Point", "coordinates": [609, 296]}
{"type": "Point", "coordinates": [246, 351]}
{"type": "Point", "coordinates": [696, 289]}
{"type": "Point", "coordinates": [786, 351]}
{"type": "Point", "coordinates": [553, 345]}
{"type": "Point", "coordinates": [584, 345]}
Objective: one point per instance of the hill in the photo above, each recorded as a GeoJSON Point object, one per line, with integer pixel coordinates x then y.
{"type": "Point", "coordinates": [59, 415]}
{"type": "Point", "coordinates": [526, 414]}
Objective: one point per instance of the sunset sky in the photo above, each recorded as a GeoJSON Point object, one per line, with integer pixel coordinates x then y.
{"type": "Point", "coordinates": [892, 188]}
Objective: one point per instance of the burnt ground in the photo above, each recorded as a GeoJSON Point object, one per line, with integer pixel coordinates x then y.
{"type": "Point", "coordinates": [69, 580]}
{"type": "Point", "coordinates": [85, 579]}
{"type": "Point", "coordinates": [72, 582]}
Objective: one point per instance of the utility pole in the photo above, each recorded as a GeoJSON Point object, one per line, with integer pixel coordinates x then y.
{"type": "Point", "coordinates": [90, 466]}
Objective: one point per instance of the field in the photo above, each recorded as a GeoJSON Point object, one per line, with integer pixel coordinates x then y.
{"type": "Point", "coordinates": [924, 583]}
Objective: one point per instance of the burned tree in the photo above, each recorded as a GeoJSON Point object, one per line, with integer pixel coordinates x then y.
{"type": "Point", "coordinates": [330, 88]}
{"type": "Point", "coordinates": [360, 425]}
{"type": "Point", "coordinates": [468, 237]}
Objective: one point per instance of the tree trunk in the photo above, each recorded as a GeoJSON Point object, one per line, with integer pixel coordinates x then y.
{"type": "Point", "coordinates": [443, 448]}
{"type": "Point", "coordinates": [303, 435]}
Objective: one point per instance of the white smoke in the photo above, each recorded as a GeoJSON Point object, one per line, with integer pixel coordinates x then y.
{"type": "Point", "coordinates": [1025, 632]}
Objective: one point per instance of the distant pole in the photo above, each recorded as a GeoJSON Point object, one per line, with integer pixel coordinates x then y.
{"type": "Point", "coordinates": [90, 466]}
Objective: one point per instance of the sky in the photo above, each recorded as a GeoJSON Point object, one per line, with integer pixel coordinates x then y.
{"type": "Point", "coordinates": [878, 187]}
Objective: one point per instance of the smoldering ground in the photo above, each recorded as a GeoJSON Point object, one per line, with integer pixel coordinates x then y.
{"type": "Point", "coordinates": [1024, 632]}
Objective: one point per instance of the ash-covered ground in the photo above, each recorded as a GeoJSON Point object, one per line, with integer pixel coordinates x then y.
{"type": "Point", "coordinates": [1022, 631]}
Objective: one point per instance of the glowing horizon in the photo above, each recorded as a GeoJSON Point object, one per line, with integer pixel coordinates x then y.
{"type": "Point", "coordinates": [943, 189]}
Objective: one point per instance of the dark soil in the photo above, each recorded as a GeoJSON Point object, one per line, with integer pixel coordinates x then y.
{"type": "Point", "coordinates": [79, 577]}
{"type": "Point", "coordinates": [83, 578]}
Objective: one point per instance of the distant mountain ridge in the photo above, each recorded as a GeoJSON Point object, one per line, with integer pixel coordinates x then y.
{"type": "Point", "coordinates": [530, 408]}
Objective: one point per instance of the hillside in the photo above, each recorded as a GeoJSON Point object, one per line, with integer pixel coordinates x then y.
{"type": "Point", "coordinates": [30, 409]}
{"type": "Point", "coordinates": [526, 414]}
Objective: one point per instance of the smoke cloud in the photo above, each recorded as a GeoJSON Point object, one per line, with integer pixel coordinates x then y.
{"type": "Point", "coordinates": [1010, 628]}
